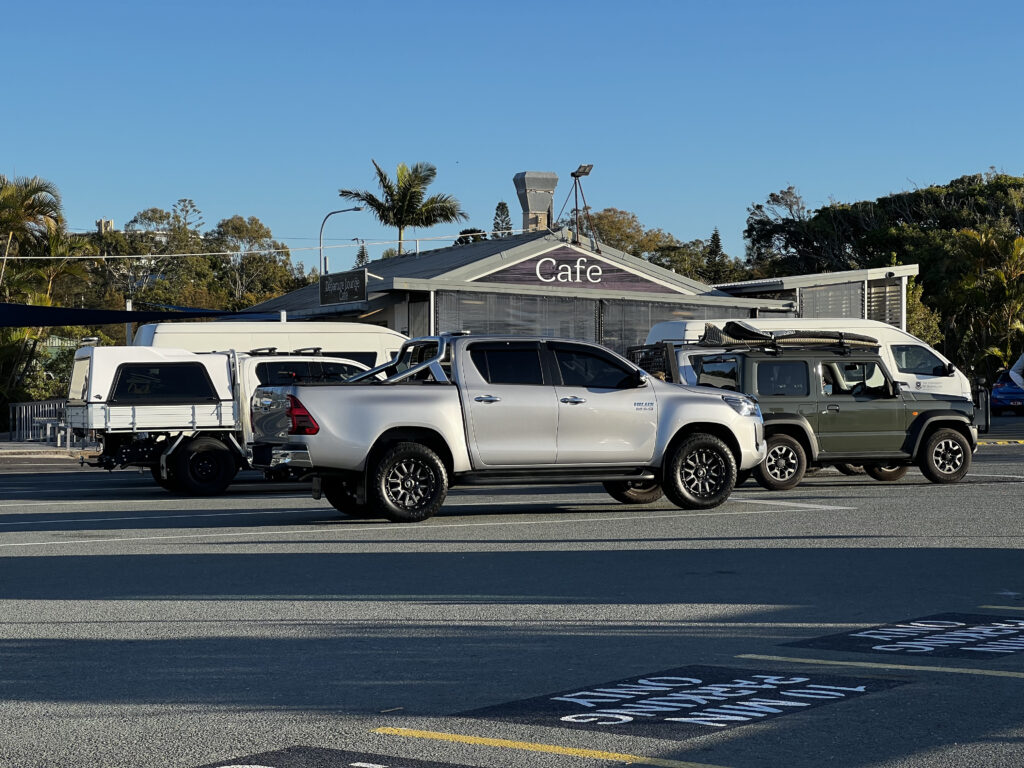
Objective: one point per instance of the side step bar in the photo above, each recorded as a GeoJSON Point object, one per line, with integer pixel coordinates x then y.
{"type": "Point", "coordinates": [554, 476]}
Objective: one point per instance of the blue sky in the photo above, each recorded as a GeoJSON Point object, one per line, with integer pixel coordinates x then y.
{"type": "Point", "coordinates": [689, 111]}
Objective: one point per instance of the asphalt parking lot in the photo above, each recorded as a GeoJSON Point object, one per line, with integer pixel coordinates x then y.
{"type": "Point", "coordinates": [515, 629]}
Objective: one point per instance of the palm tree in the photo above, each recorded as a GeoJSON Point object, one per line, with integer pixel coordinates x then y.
{"type": "Point", "coordinates": [29, 209]}
{"type": "Point", "coordinates": [404, 202]}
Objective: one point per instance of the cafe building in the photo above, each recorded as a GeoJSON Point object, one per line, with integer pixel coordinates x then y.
{"type": "Point", "coordinates": [541, 282]}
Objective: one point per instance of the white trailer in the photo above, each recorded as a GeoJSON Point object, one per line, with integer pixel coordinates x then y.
{"type": "Point", "coordinates": [183, 415]}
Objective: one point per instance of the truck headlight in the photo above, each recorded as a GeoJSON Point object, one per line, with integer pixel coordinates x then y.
{"type": "Point", "coordinates": [744, 406]}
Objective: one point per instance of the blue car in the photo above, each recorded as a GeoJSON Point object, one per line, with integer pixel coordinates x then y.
{"type": "Point", "coordinates": [1006, 396]}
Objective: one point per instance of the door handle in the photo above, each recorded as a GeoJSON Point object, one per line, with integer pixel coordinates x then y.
{"type": "Point", "coordinates": [573, 400]}
{"type": "Point", "coordinates": [487, 399]}
{"type": "Point", "coordinates": [831, 407]}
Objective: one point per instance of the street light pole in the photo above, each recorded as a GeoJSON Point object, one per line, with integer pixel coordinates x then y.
{"type": "Point", "coordinates": [323, 261]}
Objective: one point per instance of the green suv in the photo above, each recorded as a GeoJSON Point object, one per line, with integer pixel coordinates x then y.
{"type": "Point", "coordinates": [826, 399]}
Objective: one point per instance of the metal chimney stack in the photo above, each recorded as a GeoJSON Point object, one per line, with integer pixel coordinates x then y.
{"type": "Point", "coordinates": [536, 191]}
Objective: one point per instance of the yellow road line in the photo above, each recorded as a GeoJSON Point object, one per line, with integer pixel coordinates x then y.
{"type": "Point", "coordinates": [532, 747]}
{"type": "Point", "coordinates": [870, 665]}
{"type": "Point", "coordinates": [1003, 607]}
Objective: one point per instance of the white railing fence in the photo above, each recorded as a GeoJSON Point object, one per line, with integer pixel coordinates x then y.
{"type": "Point", "coordinates": [41, 421]}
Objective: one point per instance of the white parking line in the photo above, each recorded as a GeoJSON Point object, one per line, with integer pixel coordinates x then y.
{"type": "Point", "coordinates": [793, 504]}
{"type": "Point", "coordinates": [982, 474]}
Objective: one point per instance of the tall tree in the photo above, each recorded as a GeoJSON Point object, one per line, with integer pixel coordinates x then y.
{"type": "Point", "coordinates": [362, 256]}
{"type": "Point", "coordinates": [259, 268]}
{"type": "Point", "coordinates": [404, 202]}
{"type": "Point", "coordinates": [502, 221]}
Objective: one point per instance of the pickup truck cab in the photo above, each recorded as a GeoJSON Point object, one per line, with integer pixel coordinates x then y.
{"type": "Point", "coordinates": [496, 410]}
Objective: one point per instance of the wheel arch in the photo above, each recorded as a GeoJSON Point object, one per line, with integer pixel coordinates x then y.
{"type": "Point", "coordinates": [932, 424]}
{"type": "Point", "coordinates": [428, 437]}
{"type": "Point", "coordinates": [720, 431]}
{"type": "Point", "coordinates": [799, 430]}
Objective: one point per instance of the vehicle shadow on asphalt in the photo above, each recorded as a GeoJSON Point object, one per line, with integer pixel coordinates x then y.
{"type": "Point", "coordinates": [438, 633]}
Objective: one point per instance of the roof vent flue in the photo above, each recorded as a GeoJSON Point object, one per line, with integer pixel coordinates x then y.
{"type": "Point", "coordinates": [536, 191]}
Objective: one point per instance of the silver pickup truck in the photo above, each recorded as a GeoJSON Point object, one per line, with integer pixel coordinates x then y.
{"type": "Point", "coordinates": [498, 410]}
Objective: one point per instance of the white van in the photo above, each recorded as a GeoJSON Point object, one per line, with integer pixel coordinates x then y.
{"type": "Point", "coordinates": [909, 359]}
{"type": "Point", "coordinates": [371, 345]}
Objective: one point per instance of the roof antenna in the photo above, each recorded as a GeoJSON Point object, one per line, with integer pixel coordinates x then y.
{"type": "Point", "coordinates": [577, 188]}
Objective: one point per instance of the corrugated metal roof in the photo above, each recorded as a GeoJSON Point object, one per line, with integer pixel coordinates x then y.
{"type": "Point", "coordinates": [466, 262]}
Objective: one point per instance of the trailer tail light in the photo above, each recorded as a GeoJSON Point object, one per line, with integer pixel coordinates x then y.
{"type": "Point", "coordinates": [302, 421]}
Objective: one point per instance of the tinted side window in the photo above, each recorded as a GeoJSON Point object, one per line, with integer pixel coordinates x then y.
{"type": "Point", "coordinates": [275, 374]}
{"type": "Point", "coordinates": [508, 365]}
{"type": "Point", "coordinates": [721, 372]}
{"type": "Point", "coordinates": [162, 383]}
{"type": "Point", "coordinates": [921, 361]}
{"type": "Point", "coordinates": [586, 368]}
{"type": "Point", "coordinates": [783, 378]}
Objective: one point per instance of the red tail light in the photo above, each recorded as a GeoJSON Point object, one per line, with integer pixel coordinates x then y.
{"type": "Point", "coordinates": [302, 421]}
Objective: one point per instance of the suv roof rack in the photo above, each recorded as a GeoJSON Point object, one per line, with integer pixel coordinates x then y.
{"type": "Point", "coordinates": [737, 334]}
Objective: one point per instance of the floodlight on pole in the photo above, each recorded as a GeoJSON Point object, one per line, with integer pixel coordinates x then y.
{"type": "Point", "coordinates": [323, 260]}
{"type": "Point", "coordinates": [583, 170]}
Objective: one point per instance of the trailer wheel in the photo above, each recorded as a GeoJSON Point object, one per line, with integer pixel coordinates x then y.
{"type": "Point", "coordinates": [410, 483]}
{"type": "Point", "coordinates": [204, 466]}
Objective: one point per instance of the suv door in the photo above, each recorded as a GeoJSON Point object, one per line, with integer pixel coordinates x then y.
{"type": "Point", "coordinates": [858, 413]}
{"type": "Point", "coordinates": [603, 416]}
{"type": "Point", "coordinates": [510, 406]}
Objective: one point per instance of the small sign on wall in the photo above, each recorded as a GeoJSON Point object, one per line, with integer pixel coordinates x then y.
{"type": "Point", "coordinates": [342, 287]}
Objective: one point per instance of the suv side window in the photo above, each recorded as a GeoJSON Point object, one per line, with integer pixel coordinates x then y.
{"type": "Point", "coordinates": [717, 371]}
{"type": "Point", "coordinates": [857, 379]}
{"type": "Point", "coordinates": [921, 361]}
{"type": "Point", "coordinates": [783, 378]}
{"type": "Point", "coordinates": [586, 367]}
{"type": "Point", "coordinates": [508, 363]}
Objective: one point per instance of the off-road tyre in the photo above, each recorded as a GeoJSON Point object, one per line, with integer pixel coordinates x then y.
{"type": "Point", "coordinates": [945, 456]}
{"type": "Point", "coordinates": [635, 491]}
{"type": "Point", "coordinates": [886, 473]}
{"type": "Point", "coordinates": [339, 494]}
{"type": "Point", "coordinates": [784, 466]}
{"type": "Point", "coordinates": [204, 466]}
{"type": "Point", "coordinates": [700, 472]}
{"type": "Point", "coordinates": [409, 483]}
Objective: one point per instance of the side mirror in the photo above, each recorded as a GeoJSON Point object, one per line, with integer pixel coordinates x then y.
{"type": "Point", "coordinates": [639, 379]}
{"type": "Point", "coordinates": [898, 387]}
{"type": "Point", "coordinates": [950, 369]}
